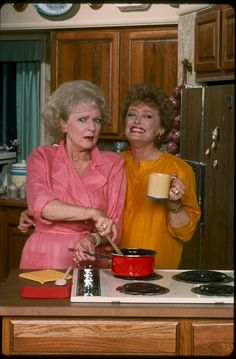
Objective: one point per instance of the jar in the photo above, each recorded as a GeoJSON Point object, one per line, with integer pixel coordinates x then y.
{"type": "Point", "coordinates": [18, 173]}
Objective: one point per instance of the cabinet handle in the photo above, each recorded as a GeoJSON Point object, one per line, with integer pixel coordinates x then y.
{"type": "Point", "coordinates": [215, 163]}
{"type": "Point", "coordinates": [229, 102]}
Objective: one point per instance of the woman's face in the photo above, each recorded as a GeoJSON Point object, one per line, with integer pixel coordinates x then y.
{"type": "Point", "coordinates": [142, 124]}
{"type": "Point", "coordinates": [83, 126]}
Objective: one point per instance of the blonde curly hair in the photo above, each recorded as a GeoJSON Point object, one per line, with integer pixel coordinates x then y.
{"type": "Point", "coordinates": [65, 98]}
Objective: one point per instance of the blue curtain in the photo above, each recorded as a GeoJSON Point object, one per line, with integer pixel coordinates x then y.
{"type": "Point", "coordinates": [27, 54]}
{"type": "Point", "coordinates": [27, 106]}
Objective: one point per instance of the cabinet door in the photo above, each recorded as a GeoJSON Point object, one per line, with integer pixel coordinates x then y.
{"type": "Point", "coordinates": [93, 56]}
{"type": "Point", "coordinates": [15, 238]}
{"type": "Point", "coordinates": [207, 42]}
{"type": "Point", "coordinates": [149, 55]}
{"type": "Point", "coordinates": [16, 241]}
{"type": "Point", "coordinates": [214, 44]}
{"type": "Point", "coordinates": [3, 242]}
{"type": "Point", "coordinates": [213, 338]}
{"type": "Point", "coordinates": [228, 39]}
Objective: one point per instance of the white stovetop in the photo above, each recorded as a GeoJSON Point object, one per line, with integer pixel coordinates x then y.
{"type": "Point", "coordinates": [179, 292]}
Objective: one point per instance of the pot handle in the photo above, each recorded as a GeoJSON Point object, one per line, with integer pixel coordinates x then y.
{"type": "Point", "coordinates": [97, 255]}
{"type": "Point", "coordinates": [93, 254]}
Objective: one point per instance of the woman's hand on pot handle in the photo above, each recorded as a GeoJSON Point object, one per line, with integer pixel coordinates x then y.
{"type": "Point", "coordinates": [85, 244]}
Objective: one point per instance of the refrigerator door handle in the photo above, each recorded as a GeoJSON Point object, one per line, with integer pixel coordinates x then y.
{"type": "Point", "coordinates": [195, 164]}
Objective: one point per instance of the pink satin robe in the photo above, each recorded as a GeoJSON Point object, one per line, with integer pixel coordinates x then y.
{"type": "Point", "coordinates": [50, 176]}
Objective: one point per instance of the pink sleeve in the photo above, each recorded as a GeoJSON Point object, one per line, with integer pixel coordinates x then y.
{"type": "Point", "coordinates": [116, 194]}
{"type": "Point", "coordinates": [38, 191]}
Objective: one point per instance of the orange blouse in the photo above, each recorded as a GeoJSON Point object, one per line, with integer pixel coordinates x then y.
{"type": "Point", "coordinates": [145, 222]}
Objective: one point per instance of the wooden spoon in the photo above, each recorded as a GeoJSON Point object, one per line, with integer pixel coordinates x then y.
{"type": "Point", "coordinates": [117, 249]}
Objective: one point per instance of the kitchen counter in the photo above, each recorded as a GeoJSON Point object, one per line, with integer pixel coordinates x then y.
{"type": "Point", "coordinates": [14, 202]}
{"type": "Point", "coordinates": [30, 326]}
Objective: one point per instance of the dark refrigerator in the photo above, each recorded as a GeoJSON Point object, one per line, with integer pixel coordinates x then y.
{"type": "Point", "coordinates": [207, 144]}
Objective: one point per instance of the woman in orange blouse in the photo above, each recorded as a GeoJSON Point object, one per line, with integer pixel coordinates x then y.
{"type": "Point", "coordinates": [161, 225]}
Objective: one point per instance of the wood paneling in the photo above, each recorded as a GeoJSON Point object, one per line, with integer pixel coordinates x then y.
{"type": "Point", "coordinates": [212, 245]}
{"type": "Point", "coordinates": [219, 181]}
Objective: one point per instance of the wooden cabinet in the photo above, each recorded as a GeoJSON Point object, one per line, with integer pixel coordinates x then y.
{"type": "Point", "coordinates": [212, 337]}
{"type": "Point", "coordinates": [215, 43]}
{"type": "Point", "coordinates": [117, 336]}
{"type": "Point", "coordinates": [12, 239]}
{"type": "Point", "coordinates": [115, 59]}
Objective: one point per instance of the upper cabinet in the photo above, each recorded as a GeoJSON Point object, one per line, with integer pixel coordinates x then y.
{"type": "Point", "coordinates": [115, 59]}
{"type": "Point", "coordinates": [89, 55]}
{"type": "Point", "coordinates": [215, 43]}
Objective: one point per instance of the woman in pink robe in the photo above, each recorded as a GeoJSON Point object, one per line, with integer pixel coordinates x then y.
{"type": "Point", "coordinates": [73, 189]}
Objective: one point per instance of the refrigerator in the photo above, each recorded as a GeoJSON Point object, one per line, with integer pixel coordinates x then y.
{"type": "Point", "coordinates": [207, 144]}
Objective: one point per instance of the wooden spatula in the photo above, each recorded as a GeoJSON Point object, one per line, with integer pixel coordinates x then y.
{"type": "Point", "coordinates": [117, 249]}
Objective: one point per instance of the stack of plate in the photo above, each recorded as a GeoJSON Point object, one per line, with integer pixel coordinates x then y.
{"type": "Point", "coordinates": [18, 173]}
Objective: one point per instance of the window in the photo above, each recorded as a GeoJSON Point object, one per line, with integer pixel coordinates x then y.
{"type": "Point", "coordinates": [20, 63]}
{"type": "Point", "coordinates": [8, 125]}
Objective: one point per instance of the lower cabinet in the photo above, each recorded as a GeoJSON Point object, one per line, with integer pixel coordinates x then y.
{"type": "Point", "coordinates": [117, 336]}
{"type": "Point", "coordinates": [12, 239]}
{"type": "Point", "coordinates": [212, 338]}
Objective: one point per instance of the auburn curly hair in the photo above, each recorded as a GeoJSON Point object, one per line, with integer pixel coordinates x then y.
{"type": "Point", "coordinates": [153, 96]}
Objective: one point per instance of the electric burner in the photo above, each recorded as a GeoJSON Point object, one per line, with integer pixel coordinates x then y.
{"type": "Point", "coordinates": [142, 288]}
{"type": "Point", "coordinates": [214, 289]}
{"type": "Point", "coordinates": [153, 276]}
{"type": "Point", "coordinates": [202, 276]}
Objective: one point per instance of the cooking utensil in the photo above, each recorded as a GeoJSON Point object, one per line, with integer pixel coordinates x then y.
{"type": "Point", "coordinates": [116, 248]}
{"type": "Point", "coordinates": [62, 281]}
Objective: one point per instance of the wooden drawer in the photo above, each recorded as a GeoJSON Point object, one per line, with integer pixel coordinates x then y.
{"type": "Point", "coordinates": [214, 338]}
{"type": "Point", "coordinates": [90, 336]}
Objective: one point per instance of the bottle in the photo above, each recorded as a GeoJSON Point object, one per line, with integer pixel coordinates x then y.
{"type": "Point", "coordinates": [22, 191]}
{"type": "Point", "coordinates": [13, 191]}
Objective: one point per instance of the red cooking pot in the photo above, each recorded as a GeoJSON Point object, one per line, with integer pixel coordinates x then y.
{"type": "Point", "coordinates": [135, 262]}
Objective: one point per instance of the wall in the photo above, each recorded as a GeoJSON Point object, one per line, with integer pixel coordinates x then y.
{"type": "Point", "coordinates": [81, 15]}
